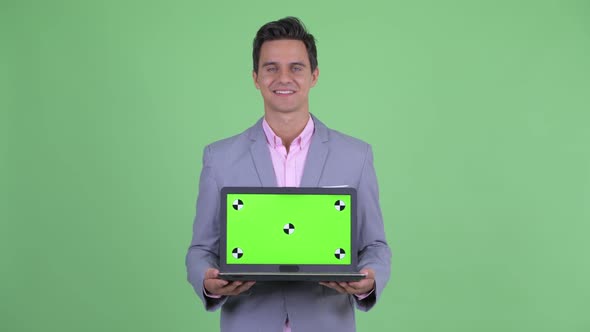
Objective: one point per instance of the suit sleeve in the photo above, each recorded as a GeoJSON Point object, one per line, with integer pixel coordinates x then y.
{"type": "Point", "coordinates": [374, 252]}
{"type": "Point", "coordinates": [203, 252]}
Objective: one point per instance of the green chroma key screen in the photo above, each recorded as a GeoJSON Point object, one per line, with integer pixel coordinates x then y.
{"type": "Point", "coordinates": [288, 229]}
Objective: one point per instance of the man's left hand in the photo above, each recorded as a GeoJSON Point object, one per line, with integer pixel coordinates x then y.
{"type": "Point", "coordinates": [362, 286]}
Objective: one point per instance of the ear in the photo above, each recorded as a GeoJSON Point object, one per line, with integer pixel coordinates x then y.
{"type": "Point", "coordinates": [314, 76]}
{"type": "Point", "coordinates": [255, 79]}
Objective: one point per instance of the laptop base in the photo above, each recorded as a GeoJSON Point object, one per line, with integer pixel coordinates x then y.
{"type": "Point", "coordinates": [291, 276]}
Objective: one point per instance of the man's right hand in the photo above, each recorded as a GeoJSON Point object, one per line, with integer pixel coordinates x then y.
{"type": "Point", "coordinates": [215, 286]}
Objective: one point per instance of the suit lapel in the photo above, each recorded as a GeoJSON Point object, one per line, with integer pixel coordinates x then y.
{"type": "Point", "coordinates": [261, 156]}
{"type": "Point", "coordinates": [316, 156]}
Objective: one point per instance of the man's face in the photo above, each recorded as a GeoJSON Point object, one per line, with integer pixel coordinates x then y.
{"type": "Point", "coordinates": [284, 76]}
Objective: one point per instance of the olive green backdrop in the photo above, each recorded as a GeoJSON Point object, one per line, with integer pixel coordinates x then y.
{"type": "Point", "coordinates": [478, 113]}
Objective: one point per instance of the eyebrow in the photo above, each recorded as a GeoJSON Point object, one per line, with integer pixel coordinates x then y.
{"type": "Point", "coordinates": [274, 63]}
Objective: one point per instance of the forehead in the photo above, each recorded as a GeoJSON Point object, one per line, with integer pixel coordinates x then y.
{"type": "Point", "coordinates": [285, 50]}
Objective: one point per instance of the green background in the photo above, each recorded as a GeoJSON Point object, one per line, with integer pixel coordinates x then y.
{"type": "Point", "coordinates": [319, 229]}
{"type": "Point", "coordinates": [478, 113]}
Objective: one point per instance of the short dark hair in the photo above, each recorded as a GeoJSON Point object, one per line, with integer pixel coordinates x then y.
{"type": "Point", "coordinates": [285, 28]}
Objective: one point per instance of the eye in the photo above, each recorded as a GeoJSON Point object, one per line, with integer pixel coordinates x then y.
{"type": "Point", "coordinates": [297, 68]}
{"type": "Point", "coordinates": [271, 69]}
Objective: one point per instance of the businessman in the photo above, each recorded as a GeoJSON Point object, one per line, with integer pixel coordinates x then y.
{"type": "Point", "coordinates": [287, 147]}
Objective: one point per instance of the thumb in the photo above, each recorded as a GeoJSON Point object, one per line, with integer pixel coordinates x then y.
{"type": "Point", "coordinates": [369, 272]}
{"type": "Point", "coordinates": [211, 273]}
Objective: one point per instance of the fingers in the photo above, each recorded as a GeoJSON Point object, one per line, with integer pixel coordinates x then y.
{"type": "Point", "coordinates": [362, 286]}
{"type": "Point", "coordinates": [213, 286]}
{"type": "Point", "coordinates": [357, 287]}
{"type": "Point", "coordinates": [224, 287]}
{"type": "Point", "coordinates": [341, 287]}
{"type": "Point", "coordinates": [236, 288]}
{"type": "Point", "coordinates": [334, 285]}
{"type": "Point", "coordinates": [232, 288]}
{"type": "Point", "coordinates": [244, 287]}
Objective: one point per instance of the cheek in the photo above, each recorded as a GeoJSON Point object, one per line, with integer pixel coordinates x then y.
{"type": "Point", "coordinates": [265, 82]}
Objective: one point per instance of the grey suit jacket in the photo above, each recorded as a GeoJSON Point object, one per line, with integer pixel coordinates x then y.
{"type": "Point", "coordinates": [244, 160]}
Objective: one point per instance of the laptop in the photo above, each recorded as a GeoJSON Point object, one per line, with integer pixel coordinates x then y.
{"type": "Point", "coordinates": [288, 234]}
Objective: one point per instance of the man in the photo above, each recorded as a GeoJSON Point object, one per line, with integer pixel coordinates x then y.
{"type": "Point", "coordinates": [287, 147]}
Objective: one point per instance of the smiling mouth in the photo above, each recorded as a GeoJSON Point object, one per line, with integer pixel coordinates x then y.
{"type": "Point", "coordinates": [283, 92]}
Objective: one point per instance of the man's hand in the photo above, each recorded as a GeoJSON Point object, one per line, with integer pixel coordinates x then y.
{"type": "Point", "coordinates": [362, 286]}
{"type": "Point", "coordinates": [216, 286]}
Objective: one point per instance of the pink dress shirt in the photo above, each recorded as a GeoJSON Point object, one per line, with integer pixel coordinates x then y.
{"type": "Point", "coordinates": [288, 167]}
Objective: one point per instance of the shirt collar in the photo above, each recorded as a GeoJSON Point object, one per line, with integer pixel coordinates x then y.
{"type": "Point", "coordinates": [302, 140]}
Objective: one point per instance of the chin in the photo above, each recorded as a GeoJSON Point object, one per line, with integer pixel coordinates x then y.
{"type": "Point", "coordinates": [284, 109]}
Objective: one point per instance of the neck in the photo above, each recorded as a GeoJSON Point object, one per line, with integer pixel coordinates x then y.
{"type": "Point", "coordinates": [287, 125]}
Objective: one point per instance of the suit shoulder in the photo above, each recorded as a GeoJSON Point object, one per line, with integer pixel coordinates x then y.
{"type": "Point", "coordinates": [227, 150]}
{"type": "Point", "coordinates": [226, 143]}
{"type": "Point", "coordinates": [237, 141]}
{"type": "Point", "coordinates": [348, 142]}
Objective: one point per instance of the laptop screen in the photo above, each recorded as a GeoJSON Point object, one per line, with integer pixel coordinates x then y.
{"type": "Point", "coordinates": [311, 226]}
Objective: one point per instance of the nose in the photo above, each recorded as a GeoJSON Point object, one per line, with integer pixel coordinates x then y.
{"type": "Point", "coordinates": [285, 76]}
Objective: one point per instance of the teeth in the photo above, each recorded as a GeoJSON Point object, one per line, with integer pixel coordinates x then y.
{"type": "Point", "coordinates": [281, 92]}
